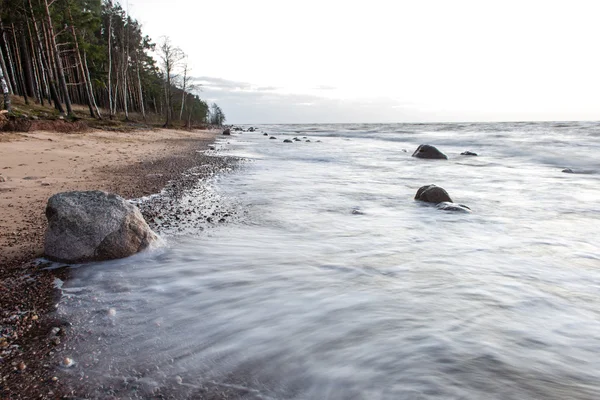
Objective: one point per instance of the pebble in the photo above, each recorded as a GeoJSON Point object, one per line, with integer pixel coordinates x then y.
{"type": "Point", "coordinates": [67, 362]}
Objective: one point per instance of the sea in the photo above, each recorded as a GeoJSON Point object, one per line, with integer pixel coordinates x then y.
{"type": "Point", "coordinates": [332, 282]}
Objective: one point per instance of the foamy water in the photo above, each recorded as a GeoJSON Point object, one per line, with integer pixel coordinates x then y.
{"type": "Point", "coordinates": [336, 284]}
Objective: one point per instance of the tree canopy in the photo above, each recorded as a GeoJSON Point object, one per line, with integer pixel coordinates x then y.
{"type": "Point", "coordinates": [92, 52]}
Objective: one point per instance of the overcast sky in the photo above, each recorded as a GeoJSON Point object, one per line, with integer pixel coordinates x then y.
{"type": "Point", "coordinates": [278, 61]}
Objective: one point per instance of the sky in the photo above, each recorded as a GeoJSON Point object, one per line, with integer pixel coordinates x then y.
{"type": "Point", "coordinates": [327, 61]}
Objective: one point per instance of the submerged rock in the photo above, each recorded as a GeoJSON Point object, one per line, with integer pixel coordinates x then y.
{"type": "Point", "coordinates": [94, 226]}
{"type": "Point", "coordinates": [438, 196]}
{"type": "Point", "coordinates": [272, 137]}
{"type": "Point", "coordinates": [432, 194]}
{"type": "Point", "coordinates": [446, 206]}
{"type": "Point", "coordinates": [468, 153]}
{"type": "Point", "coordinates": [265, 134]}
{"type": "Point", "coordinates": [568, 171]}
{"type": "Point", "coordinates": [288, 141]}
{"type": "Point", "coordinates": [429, 152]}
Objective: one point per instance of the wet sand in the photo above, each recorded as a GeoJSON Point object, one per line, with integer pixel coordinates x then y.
{"type": "Point", "coordinates": [34, 166]}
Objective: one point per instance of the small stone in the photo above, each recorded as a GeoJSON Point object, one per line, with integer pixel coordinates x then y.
{"type": "Point", "coordinates": [55, 341]}
{"type": "Point", "coordinates": [54, 379]}
{"type": "Point", "coordinates": [21, 366]}
{"type": "Point", "coordinates": [179, 380]}
{"type": "Point", "coordinates": [2, 179]}
{"type": "Point", "coordinates": [67, 362]}
{"type": "Point", "coordinates": [112, 312]}
{"type": "Point", "coordinates": [34, 317]}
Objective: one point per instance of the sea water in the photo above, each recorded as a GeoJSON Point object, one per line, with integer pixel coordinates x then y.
{"type": "Point", "coordinates": [333, 283]}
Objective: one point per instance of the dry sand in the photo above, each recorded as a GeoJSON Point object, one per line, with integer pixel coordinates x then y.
{"type": "Point", "coordinates": [34, 166]}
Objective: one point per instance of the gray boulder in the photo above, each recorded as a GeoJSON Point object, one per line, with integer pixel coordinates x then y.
{"type": "Point", "coordinates": [94, 226]}
{"type": "Point", "coordinates": [288, 141]}
{"type": "Point", "coordinates": [429, 152]}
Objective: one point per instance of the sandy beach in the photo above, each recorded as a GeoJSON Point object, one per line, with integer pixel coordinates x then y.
{"type": "Point", "coordinates": [34, 166]}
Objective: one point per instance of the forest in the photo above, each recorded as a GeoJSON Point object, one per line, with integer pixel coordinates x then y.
{"type": "Point", "coordinates": [92, 53]}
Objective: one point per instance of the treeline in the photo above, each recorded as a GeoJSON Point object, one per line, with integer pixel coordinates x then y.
{"type": "Point", "coordinates": [91, 52]}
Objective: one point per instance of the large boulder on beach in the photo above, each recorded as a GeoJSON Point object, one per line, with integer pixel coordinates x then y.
{"type": "Point", "coordinates": [227, 131]}
{"type": "Point", "coordinates": [429, 152]}
{"type": "Point", "coordinates": [94, 226]}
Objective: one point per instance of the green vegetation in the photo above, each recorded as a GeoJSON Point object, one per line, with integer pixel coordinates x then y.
{"type": "Point", "coordinates": [64, 53]}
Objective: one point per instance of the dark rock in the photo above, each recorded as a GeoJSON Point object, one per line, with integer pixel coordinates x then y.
{"type": "Point", "coordinates": [446, 206]}
{"type": "Point", "coordinates": [251, 129]}
{"type": "Point", "coordinates": [227, 131]}
{"type": "Point", "coordinates": [468, 153]}
{"type": "Point", "coordinates": [296, 139]}
{"type": "Point", "coordinates": [568, 171]}
{"type": "Point", "coordinates": [288, 141]}
{"type": "Point", "coordinates": [272, 137]}
{"type": "Point", "coordinates": [265, 134]}
{"type": "Point", "coordinates": [432, 194]}
{"type": "Point", "coordinates": [429, 152]}
{"type": "Point", "coordinates": [94, 226]}
{"type": "Point", "coordinates": [438, 196]}
{"type": "Point", "coordinates": [308, 141]}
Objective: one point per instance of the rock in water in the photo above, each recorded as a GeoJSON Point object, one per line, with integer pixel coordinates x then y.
{"type": "Point", "coordinates": [287, 141]}
{"type": "Point", "coordinates": [429, 152]}
{"type": "Point", "coordinates": [468, 153]}
{"type": "Point", "coordinates": [438, 196]}
{"type": "Point", "coordinates": [227, 131]}
{"type": "Point", "coordinates": [432, 194]}
{"type": "Point", "coordinates": [453, 207]}
{"type": "Point", "coordinates": [265, 134]}
{"type": "Point", "coordinates": [94, 226]}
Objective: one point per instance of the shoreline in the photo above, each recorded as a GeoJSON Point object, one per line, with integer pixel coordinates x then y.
{"type": "Point", "coordinates": [38, 164]}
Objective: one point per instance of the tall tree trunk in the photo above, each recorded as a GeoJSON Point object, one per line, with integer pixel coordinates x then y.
{"type": "Point", "coordinates": [142, 109]}
{"type": "Point", "coordinates": [37, 71]}
{"type": "Point", "coordinates": [87, 72]}
{"type": "Point", "coordinates": [26, 64]}
{"type": "Point", "coordinates": [51, 73]}
{"type": "Point", "coordinates": [110, 99]}
{"type": "Point", "coordinates": [5, 72]}
{"type": "Point", "coordinates": [185, 70]}
{"type": "Point", "coordinates": [18, 62]}
{"type": "Point", "coordinates": [59, 67]}
{"type": "Point", "coordinates": [42, 67]}
{"type": "Point", "coordinates": [88, 88]}
{"type": "Point", "coordinates": [5, 91]}
{"type": "Point", "coordinates": [12, 76]}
